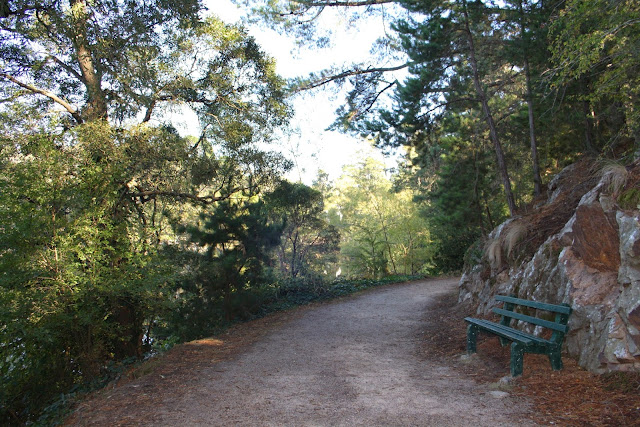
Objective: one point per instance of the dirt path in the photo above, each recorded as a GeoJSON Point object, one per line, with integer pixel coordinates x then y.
{"type": "Point", "coordinates": [351, 362]}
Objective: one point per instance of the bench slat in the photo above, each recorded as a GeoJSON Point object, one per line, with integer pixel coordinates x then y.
{"type": "Point", "coordinates": [563, 309]}
{"type": "Point", "coordinates": [506, 332]}
{"type": "Point", "coordinates": [489, 325]}
{"type": "Point", "coordinates": [536, 321]}
{"type": "Point", "coordinates": [537, 340]}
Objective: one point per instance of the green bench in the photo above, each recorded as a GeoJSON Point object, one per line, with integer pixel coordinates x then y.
{"type": "Point", "coordinates": [522, 342]}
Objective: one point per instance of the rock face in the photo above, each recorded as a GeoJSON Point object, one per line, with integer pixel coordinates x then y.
{"type": "Point", "coordinates": [589, 258]}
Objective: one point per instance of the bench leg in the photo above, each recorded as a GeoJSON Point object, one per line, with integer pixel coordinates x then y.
{"type": "Point", "coordinates": [472, 335]}
{"type": "Point", "coordinates": [556, 360]}
{"type": "Point", "coordinates": [517, 358]}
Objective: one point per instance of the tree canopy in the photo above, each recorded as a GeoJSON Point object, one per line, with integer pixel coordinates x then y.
{"type": "Point", "coordinates": [94, 173]}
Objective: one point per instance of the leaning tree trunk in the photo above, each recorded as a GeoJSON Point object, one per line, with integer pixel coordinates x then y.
{"type": "Point", "coordinates": [294, 256]}
{"type": "Point", "coordinates": [386, 238]}
{"type": "Point", "coordinates": [493, 133]}
{"type": "Point", "coordinates": [589, 139]}
{"type": "Point", "coordinates": [537, 181]}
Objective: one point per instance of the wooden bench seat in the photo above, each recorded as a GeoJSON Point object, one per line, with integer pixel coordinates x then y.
{"type": "Point", "coordinates": [523, 342]}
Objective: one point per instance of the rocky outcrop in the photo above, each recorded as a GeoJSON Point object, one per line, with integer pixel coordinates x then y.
{"type": "Point", "coordinates": [589, 257]}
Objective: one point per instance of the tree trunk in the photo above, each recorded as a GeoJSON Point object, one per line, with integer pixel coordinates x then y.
{"type": "Point", "coordinates": [386, 237]}
{"type": "Point", "coordinates": [589, 140]}
{"type": "Point", "coordinates": [488, 210]}
{"type": "Point", "coordinates": [537, 181]}
{"type": "Point", "coordinates": [493, 133]}
{"type": "Point", "coordinates": [476, 193]}
{"type": "Point", "coordinates": [96, 103]}
{"type": "Point", "coordinates": [129, 327]}
{"type": "Point", "coordinates": [294, 255]}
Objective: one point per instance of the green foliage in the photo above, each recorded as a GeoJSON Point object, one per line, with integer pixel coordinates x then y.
{"type": "Point", "coordinates": [75, 289]}
{"type": "Point", "coordinates": [462, 52]}
{"type": "Point", "coordinates": [151, 56]}
{"type": "Point", "coordinates": [89, 259]}
{"type": "Point", "coordinates": [560, 77]}
{"type": "Point", "coordinates": [294, 292]}
{"type": "Point", "coordinates": [382, 229]}
{"type": "Point", "coordinates": [226, 257]}
{"type": "Point", "coordinates": [463, 205]}
{"type": "Point", "coordinates": [630, 198]}
{"type": "Point", "coordinates": [309, 243]}
{"type": "Point", "coordinates": [595, 45]}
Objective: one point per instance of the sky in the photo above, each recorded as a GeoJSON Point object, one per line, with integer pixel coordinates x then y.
{"type": "Point", "coordinates": [311, 147]}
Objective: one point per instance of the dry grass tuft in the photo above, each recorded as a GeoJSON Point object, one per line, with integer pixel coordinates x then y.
{"type": "Point", "coordinates": [494, 252]}
{"type": "Point", "coordinates": [514, 234]}
{"type": "Point", "coordinates": [522, 237]}
{"type": "Point", "coordinates": [505, 242]}
{"type": "Point", "coordinates": [615, 176]}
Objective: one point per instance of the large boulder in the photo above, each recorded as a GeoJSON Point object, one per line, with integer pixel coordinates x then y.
{"type": "Point", "coordinates": [582, 247]}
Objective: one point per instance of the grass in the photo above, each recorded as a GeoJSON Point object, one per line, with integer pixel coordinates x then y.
{"type": "Point", "coordinates": [616, 176]}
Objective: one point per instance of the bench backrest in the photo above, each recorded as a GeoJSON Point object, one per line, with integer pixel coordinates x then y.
{"type": "Point", "coordinates": [558, 326]}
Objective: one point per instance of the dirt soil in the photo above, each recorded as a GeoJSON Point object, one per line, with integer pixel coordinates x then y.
{"type": "Point", "coordinates": [389, 356]}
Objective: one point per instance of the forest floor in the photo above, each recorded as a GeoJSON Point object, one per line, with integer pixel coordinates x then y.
{"type": "Point", "coordinates": [388, 356]}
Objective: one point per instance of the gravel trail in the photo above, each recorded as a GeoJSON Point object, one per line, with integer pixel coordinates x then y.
{"type": "Point", "coordinates": [352, 362]}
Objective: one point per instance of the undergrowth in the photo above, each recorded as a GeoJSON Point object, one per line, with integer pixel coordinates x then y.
{"type": "Point", "coordinates": [297, 292]}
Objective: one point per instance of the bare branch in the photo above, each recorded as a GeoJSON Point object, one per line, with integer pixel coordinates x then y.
{"type": "Point", "coordinates": [444, 104]}
{"type": "Point", "coordinates": [202, 137]}
{"type": "Point", "coordinates": [372, 102]}
{"type": "Point", "coordinates": [321, 5]}
{"type": "Point", "coordinates": [356, 3]}
{"type": "Point", "coordinates": [206, 200]}
{"type": "Point", "coordinates": [67, 67]}
{"type": "Point", "coordinates": [349, 73]}
{"type": "Point", "coordinates": [55, 98]}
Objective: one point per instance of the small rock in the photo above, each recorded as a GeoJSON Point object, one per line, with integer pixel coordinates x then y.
{"type": "Point", "coordinates": [508, 380]}
{"type": "Point", "coordinates": [499, 394]}
{"type": "Point", "coordinates": [468, 357]}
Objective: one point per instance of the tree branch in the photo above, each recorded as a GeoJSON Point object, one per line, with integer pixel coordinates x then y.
{"type": "Point", "coordinates": [5, 9]}
{"type": "Point", "coordinates": [375, 98]}
{"type": "Point", "coordinates": [152, 194]}
{"type": "Point", "coordinates": [67, 67]}
{"type": "Point", "coordinates": [356, 3]}
{"type": "Point", "coordinates": [349, 73]}
{"type": "Point", "coordinates": [55, 98]}
{"type": "Point", "coordinates": [370, 104]}
{"type": "Point", "coordinates": [147, 115]}
{"type": "Point", "coordinates": [321, 5]}
{"type": "Point", "coordinates": [202, 137]}
{"type": "Point", "coordinates": [444, 104]}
